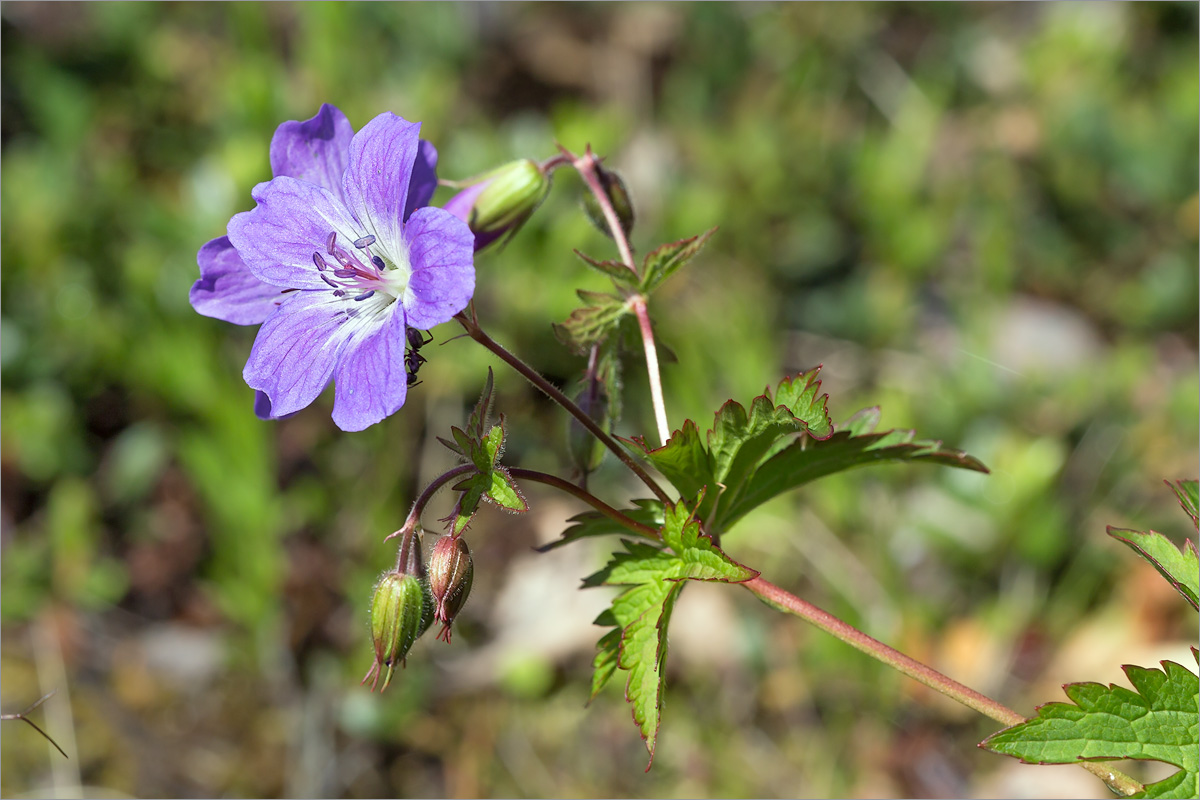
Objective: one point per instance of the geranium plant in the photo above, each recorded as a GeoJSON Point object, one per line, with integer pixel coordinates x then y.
{"type": "Point", "coordinates": [346, 266]}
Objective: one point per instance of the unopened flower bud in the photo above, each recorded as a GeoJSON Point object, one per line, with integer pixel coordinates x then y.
{"type": "Point", "coordinates": [618, 196]}
{"type": "Point", "coordinates": [585, 449]}
{"type": "Point", "coordinates": [498, 202]}
{"type": "Point", "coordinates": [401, 610]}
{"type": "Point", "coordinates": [450, 573]}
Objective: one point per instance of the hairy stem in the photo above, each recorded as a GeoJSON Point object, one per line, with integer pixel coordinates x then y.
{"type": "Point", "coordinates": [586, 496]}
{"type": "Point", "coordinates": [782, 600]}
{"type": "Point", "coordinates": [414, 516]}
{"type": "Point", "coordinates": [477, 333]}
{"type": "Point", "coordinates": [586, 166]}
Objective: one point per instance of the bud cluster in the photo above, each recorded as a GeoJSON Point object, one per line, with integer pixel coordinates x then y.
{"type": "Point", "coordinates": [410, 597]}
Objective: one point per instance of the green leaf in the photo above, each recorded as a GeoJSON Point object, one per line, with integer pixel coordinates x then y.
{"type": "Point", "coordinates": [683, 460]}
{"type": "Point", "coordinates": [621, 275]}
{"type": "Point", "coordinates": [640, 615]}
{"type": "Point", "coordinates": [643, 652]}
{"type": "Point", "coordinates": [593, 323]}
{"type": "Point", "coordinates": [1157, 722]}
{"type": "Point", "coordinates": [807, 459]}
{"type": "Point", "coordinates": [593, 523]}
{"type": "Point", "coordinates": [504, 492]}
{"type": "Point", "coordinates": [1181, 569]}
{"type": "Point", "coordinates": [467, 506]}
{"type": "Point", "coordinates": [605, 662]}
{"type": "Point", "coordinates": [1188, 493]}
{"type": "Point", "coordinates": [483, 409]}
{"type": "Point", "coordinates": [862, 422]}
{"type": "Point", "coordinates": [662, 262]}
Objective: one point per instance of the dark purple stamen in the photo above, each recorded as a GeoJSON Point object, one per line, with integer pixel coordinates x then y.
{"type": "Point", "coordinates": [365, 241]}
{"type": "Point", "coordinates": [365, 295]}
{"type": "Point", "coordinates": [345, 273]}
{"type": "Point", "coordinates": [331, 241]}
{"type": "Point", "coordinates": [327, 279]}
{"type": "Point", "coordinates": [338, 293]}
{"type": "Point", "coordinates": [378, 262]}
{"type": "Point", "coordinates": [320, 262]}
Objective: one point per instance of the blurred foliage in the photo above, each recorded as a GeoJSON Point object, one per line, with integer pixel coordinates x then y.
{"type": "Point", "coordinates": [981, 217]}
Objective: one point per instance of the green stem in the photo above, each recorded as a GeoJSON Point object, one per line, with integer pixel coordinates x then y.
{"type": "Point", "coordinates": [782, 600]}
{"type": "Point", "coordinates": [587, 497]}
{"type": "Point", "coordinates": [586, 167]}
{"type": "Point", "coordinates": [477, 333]}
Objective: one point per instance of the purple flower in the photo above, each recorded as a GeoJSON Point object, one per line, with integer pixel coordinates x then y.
{"type": "Point", "coordinates": [339, 258]}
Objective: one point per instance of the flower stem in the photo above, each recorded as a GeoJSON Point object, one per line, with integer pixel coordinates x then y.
{"type": "Point", "coordinates": [477, 333]}
{"type": "Point", "coordinates": [587, 497]}
{"type": "Point", "coordinates": [414, 516]}
{"type": "Point", "coordinates": [782, 600]}
{"type": "Point", "coordinates": [656, 394]}
{"type": "Point", "coordinates": [586, 166]}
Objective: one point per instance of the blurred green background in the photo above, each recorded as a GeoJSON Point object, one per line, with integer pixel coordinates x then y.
{"type": "Point", "coordinates": [982, 217]}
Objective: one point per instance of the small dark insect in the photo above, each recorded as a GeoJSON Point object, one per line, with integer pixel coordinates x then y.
{"type": "Point", "coordinates": [412, 357]}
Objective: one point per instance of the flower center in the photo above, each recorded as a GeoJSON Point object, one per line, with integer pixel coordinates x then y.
{"type": "Point", "coordinates": [361, 273]}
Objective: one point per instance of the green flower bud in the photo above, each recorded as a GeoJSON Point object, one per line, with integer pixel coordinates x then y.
{"type": "Point", "coordinates": [398, 618]}
{"type": "Point", "coordinates": [618, 196]}
{"type": "Point", "coordinates": [498, 202]}
{"type": "Point", "coordinates": [451, 571]}
{"type": "Point", "coordinates": [401, 611]}
{"type": "Point", "coordinates": [585, 449]}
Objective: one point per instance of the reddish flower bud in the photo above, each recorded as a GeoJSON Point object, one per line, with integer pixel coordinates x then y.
{"type": "Point", "coordinates": [450, 573]}
{"type": "Point", "coordinates": [618, 196]}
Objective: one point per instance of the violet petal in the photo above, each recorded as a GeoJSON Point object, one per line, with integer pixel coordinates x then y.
{"type": "Point", "coordinates": [297, 350]}
{"type": "Point", "coordinates": [424, 178]}
{"type": "Point", "coordinates": [371, 382]}
{"type": "Point", "coordinates": [292, 220]}
{"type": "Point", "coordinates": [382, 156]}
{"type": "Point", "coordinates": [441, 252]}
{"type": "Point", "coordinates": [227, 290]}
{"type": "Point", "coordinates": [315, 150]}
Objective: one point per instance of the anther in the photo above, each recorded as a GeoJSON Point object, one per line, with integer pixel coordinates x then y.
{"type": "Point", "coordinates": [320, 262]}
{"type": "Point", "coordinates": [326, 278]}
{"type": "Point", "coordinates": [345, 273]}
{"type": "Point", "coordinates": [331, 241]}
{"type": "Point", "coordinates": [364, 242]}
{"type": "Point", "coordinates": [378, 262]}
{"type": "Point", "coordinates": [364, 296]}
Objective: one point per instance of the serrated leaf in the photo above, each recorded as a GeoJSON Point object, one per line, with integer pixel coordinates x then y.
{"type": "Point", "coordinates": [467, 504]}
{"type": "Point", "coordinates": [490, 447]}
{"type": "Point", "coordinates": [644, 653]}
{"type": "Point", "coordinates": [1158, 722]}
{"type": "Point", "coordinates": [807, 459]}
{"type": "Point", "coordinates": [801, 396]}
{"type": "Point", "coordinates": [622, 275]}
{"type": "Point", "coordinates": [605, 662]}
{"type": "Point", "coordinates": [592, 324]}
{"type": "Point", "coordinates": [454, 448]}
{"type": "Point", "coordinates": [503, 492]}
{"type": "Point", "coordinates": [483, 408]}
{"type": "Point", "coordinates": [641, 613]}
{"type": "Point", "coordinates": [662, 262]}
{"type": "Point", "coordinates": [699, 559]}
{"type": "Point", "coordinates": [1188, 493]}
{"type": "Point", "coordinates": [1181, 569]}
{"type": "Point", "coordinates": [593, 523]}
{"type": "Point", "coordinates": [862, 422]}
{"type": "Point", "coordinates": [683, 460]}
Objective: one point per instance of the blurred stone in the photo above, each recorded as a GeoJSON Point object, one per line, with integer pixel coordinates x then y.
{"type": "Point", "coordinates": [1034, 335]}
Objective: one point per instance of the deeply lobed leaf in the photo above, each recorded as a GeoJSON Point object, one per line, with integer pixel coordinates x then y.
{"type": "Point", "coordinates": [1159, 722]}
{"type": "Point", "coordinates": [640, 615]}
